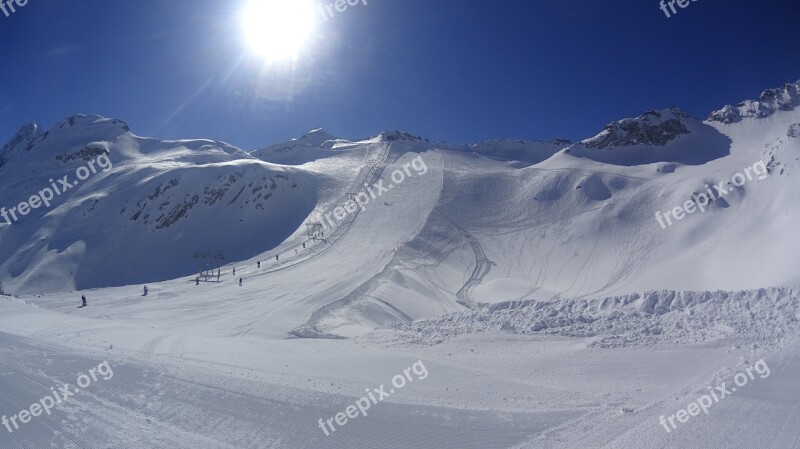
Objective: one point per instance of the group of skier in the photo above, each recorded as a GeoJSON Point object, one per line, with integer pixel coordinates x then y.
{"type": "Point", "coordinates": [258, 264]}
{"type": "Point", "coordinates": [84, 302]}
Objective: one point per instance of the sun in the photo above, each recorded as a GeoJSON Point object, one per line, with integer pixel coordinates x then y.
{"type": "Point", "coordinates": [277, 30]}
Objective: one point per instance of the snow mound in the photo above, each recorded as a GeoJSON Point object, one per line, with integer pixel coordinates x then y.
{"type": "Point", "coordinates": [648, 319]}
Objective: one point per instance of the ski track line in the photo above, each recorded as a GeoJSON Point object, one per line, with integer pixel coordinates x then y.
{"type": "Point", "coordinates": [43, 419]}
{"type": "Point", "coordinates": [370, 175]}
{"type": "Point", "coordinates": [310, 329]}
{"type": "Point", "coordinates": [482, 266]}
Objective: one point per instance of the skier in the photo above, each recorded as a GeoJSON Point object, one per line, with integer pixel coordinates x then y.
{"type": "Point", "coordinates": [295, 252]}
{"type": "Point", "coordinates": [259, 264]}
{"type": "Point", "coordinates": [277, 257]}
{"type": "Point", "coordinates": [234, 271]}
{"type": "Point", "coordinates": [304, 246]}
{"type": "Point", "coordinates": [197, 281]}
{"type": "Point", "coordinates": [240, 282]}
{"type": "Point", "coordinates": [83, 300]}
{"type": "Point", "coordinates": [145, 290]}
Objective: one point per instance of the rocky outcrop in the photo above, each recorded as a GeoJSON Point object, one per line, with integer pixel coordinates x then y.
{"type": "Point", "coordinates": [785, 98]}
{"type": "Point", "coordinates": [652, 128]}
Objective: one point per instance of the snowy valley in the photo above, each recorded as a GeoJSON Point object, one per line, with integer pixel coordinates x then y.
{"type": "Point", "coordinates": [532, 278]}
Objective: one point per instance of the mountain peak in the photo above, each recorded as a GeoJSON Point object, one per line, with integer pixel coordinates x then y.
{"type": "Point", "coordinates": [89, 120]}
{"type": "Point", "coordinates": [651, 128]}
{"type": "Point", "coordinates": [392, 136]}
{"type": "Point", "coordinates": [23, 140]}
{"type": "Point", "coordinates": [784, 98]}
{"type": "Point", "coordinates": [317, 137]}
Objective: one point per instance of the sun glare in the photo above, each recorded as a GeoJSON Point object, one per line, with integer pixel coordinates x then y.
{"type": "Point", "coordinates": [277, 29]}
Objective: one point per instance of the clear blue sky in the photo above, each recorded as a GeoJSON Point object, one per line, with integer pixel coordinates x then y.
{"type": "Point", "coordinates": [454, 70]}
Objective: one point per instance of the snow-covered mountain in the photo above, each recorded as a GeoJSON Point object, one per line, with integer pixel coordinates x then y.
{"type": "Point", "coordinates": [495, 221]}
{"type": "Point", "coordinates": [561, 295]}
{"type": "Point", "coordinates": [653, 128]}
{"type": "Point", "coordinates": [157, 213]}
{"type": "Point", "coordinates": [311, 146]}
{"type": "Point", "coordinates": [785, 98]}
{"type": "Point", "coordinates": [520, 151]}
{"type": "Point", "coordinates": [657, 136]}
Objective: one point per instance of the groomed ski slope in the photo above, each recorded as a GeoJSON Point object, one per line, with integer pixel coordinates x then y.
{"type": "Point", "coordinates": [172, 388]}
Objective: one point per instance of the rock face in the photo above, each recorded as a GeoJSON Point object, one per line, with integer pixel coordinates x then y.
{"type": "Point", "coordinates": [393, 136]}
{"type": "Point", "coordinates": [784, 98]}
{"type": "Point", "coordinates": [25, 138]}
{"type": "Point", "coordinates": [794, 131]}
{"type": "Point", "coordinates": [652, 128]}
{"type": "Point", "coordinates": [23, 141]}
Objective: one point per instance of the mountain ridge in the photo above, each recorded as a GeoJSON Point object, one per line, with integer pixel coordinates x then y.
{"type": "Point", "coordinates": [203, 196]}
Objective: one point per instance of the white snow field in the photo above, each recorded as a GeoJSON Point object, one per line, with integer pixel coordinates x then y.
{"type": "Point", "coordinates": [532, 280]}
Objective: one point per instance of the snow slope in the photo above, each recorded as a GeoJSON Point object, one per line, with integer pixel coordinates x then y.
{"type": "Point", "coordinates": [113, 228]}
{"type": "Point", "coordinates": [532, 278]}
{"type": "Point", "coordinates": [497, 221]}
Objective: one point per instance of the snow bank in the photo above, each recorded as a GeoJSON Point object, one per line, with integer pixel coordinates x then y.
{"type": "Point", "coordinates": [651, 318]}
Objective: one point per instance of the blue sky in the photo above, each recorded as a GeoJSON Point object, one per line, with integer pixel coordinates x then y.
{"type": "Point", "coordinates": [458, 71]}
